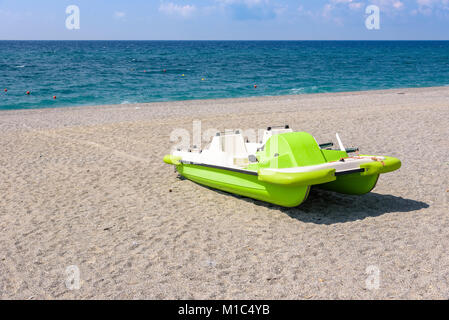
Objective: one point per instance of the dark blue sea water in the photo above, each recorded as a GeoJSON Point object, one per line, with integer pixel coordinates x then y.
{"type": "Point", "coordinates": [113, 72]}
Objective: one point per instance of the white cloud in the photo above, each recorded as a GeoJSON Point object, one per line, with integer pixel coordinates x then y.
{"type": "Point", "coordinates": [398, 4]}
{"type": "Point", "coordinates": [395, 4]}
{"type": "Point", "coordinates": [119, 15]}
{"type": "Point", "coordinates": [333, 4]}
{"type": "Point", "coordinates": [427, 3]}
{"type": "Point", "coordinates": [340, 4]}
{"type": "Point", "coordinates": [341, 1]}
{"type": "Point", "coordinates": [251, 9]}
{"type": "Point", "coordinates": [249, 3]}
{"type": "Point", "coordinates": [175, 9]}
{"type": "Point", "coordinates": [427, 7]}
{"type": "Point", "coordinates": [433, 3]}
{"type": "Point", "coordinates": [355, 5]}
{"type": "Point", "coordinates": [303, 12]}
{"type": "Point", "coordinates": [327, 9]}
{"type": "Point", "coordinates": [334, 10]}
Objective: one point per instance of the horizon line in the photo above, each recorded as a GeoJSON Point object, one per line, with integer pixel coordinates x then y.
{"type": "Point", "coordinates": [253, 40]}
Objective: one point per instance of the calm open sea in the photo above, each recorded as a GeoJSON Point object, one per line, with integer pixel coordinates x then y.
{"type": "Point", "coordinates": [118, 72]}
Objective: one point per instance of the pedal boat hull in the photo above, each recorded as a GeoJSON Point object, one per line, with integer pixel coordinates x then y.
{"type": "Point", "coordinates": [284, 188]}
{"type": "Point", "coordinates": [247, 184]}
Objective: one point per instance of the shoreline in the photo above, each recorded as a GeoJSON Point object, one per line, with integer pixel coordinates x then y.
{"type": "Point", "coordinates": [87, 187]}
{"type": "Point", "coordinates": [314, 104]}
{"type": "Point", "coordinates": [235, 99]}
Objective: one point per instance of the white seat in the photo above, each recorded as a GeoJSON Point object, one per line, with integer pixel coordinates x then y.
{"type": "Point", "coordinates": [233, 144]}
{"type": "Point", "coordinates": [268, 133]}
{"type": "Point", "coordinates": [234, 147]}
{"type": "Point", "coordinates": [226, 150]}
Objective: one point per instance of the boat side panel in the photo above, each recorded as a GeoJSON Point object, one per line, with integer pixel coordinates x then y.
{"type": "Point", "coordinates": [355, 183]}
{"type": "Point", "coordinates": [244, 184]}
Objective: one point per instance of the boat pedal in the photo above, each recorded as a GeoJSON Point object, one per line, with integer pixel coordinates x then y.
{"type": "Point", "coordinates": [326, 145]}
{"type": "Point", "coordinates": [351, 150]}
{"type": "Point", "coordinates": [252, 158]}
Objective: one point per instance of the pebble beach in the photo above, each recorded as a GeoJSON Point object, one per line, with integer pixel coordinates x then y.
{"type": "Point", "coordinates": [86, 188]}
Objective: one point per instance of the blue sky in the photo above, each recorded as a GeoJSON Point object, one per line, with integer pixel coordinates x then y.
{"type": "Point", "coordinates": [224, 20]}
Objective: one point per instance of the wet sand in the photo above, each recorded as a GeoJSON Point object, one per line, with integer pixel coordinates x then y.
{"type": "Point", "coordinates": [86, 187]}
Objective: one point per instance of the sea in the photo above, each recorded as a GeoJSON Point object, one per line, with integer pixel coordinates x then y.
{"type": "Point", "coordinates": [81, 73]}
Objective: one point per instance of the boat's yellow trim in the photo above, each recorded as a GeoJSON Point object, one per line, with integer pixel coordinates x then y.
{"type": "Point", "coordinates": [297, 178]}
{"type": "Point", "coordinates": [381, 166]}
{"type": "Point", "coordinates": [171, 159]}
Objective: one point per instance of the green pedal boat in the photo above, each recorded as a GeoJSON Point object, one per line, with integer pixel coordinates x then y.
{"type": "Point", "coordinates": [282, 168]}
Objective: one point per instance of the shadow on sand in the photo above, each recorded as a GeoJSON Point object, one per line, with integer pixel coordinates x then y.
{"type": "Point", "coordinates": [326, 207]}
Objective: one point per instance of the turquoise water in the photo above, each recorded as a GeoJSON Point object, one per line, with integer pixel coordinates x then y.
{"type": "Point", "coordinates": [113, 72]}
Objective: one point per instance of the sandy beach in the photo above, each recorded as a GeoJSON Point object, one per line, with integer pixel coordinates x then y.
{"type": "Point", "coordinates": [86, 187]}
